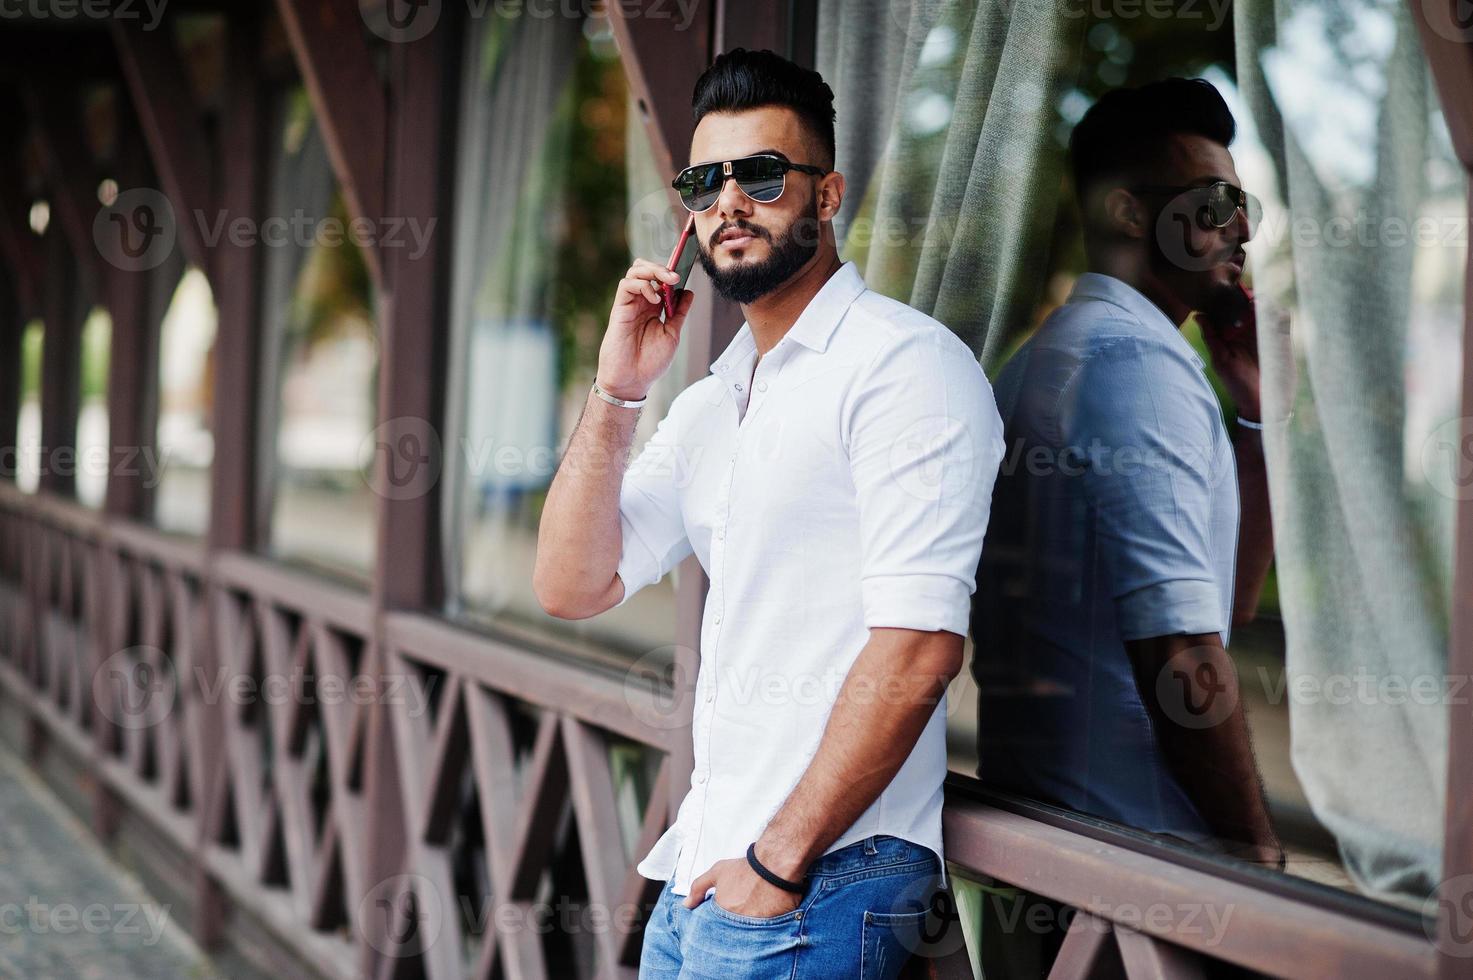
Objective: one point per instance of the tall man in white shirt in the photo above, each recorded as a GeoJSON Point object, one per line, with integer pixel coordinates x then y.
{"type": "Point", "coordinates": [832, 474]}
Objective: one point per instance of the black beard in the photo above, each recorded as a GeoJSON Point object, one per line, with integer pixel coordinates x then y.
{"type": "Point", "coordinates": [750, 281]}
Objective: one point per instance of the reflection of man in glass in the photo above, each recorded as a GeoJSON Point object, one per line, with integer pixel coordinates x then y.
{"type": "Point", "coordinates": [1115, 552]}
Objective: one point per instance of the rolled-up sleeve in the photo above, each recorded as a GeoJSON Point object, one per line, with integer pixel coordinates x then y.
{"type": "Point", "coordinates": [1146, 438]}
{"type": "Point", "coordinates": [650, 520]}
{"type": "Point", "coordinates": [924, 441]}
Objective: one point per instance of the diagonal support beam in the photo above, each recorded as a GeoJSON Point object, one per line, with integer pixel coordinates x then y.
{"type": "Point", "coordinates": [600, 843]}
{"type": "Point", "coordinates": [663, 57]}
{"type": "Point", "coordinates": [1086, 951]}
{"type": "Point", "coordinates": [171, 126]}
{"type": "Point", "coordinates": [348, 96]}
{"type": "Point", "coordinates": [1148, 958]}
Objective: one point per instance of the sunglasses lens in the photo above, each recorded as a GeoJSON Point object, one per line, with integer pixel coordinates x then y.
{"type": "Point", "coordinates": [761, 178]}
{"type": "Point", "coordinates": [1222, 204]}
{"type": "Point", "coordinates": [699, 187]}
{"type": "Point", "coordinates": [1225, 201]}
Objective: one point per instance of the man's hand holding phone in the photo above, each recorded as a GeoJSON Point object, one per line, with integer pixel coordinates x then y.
{"type": "Point", "coordinates": [1230, 331]}
{"type": "Point", "coordinates": [640, 342]}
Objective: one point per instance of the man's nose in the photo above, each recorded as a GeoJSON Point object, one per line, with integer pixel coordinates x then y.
{"type": "Point", "coordinates": [1241, 226]}
{"type": "Point", "coordinates": [733, 199]}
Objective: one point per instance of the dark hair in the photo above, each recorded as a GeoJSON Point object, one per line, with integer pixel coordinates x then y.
{"type": "Point", "coordinates": [740, 79]}
{"type": "Point", "coordinates": [1130, 125]}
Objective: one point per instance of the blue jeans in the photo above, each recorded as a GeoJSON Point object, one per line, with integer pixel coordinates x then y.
{"type": "Point", "coordinates": [864, 912]}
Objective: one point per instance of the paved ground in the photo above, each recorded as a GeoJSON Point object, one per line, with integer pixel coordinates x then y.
{"type": "Point", "coordinates": [66, 909]}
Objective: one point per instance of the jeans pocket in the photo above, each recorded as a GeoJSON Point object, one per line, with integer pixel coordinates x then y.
{"type": "Point", "coordinates": [888, 940]}
{"type": "Point", "coordinates": [752, 920]}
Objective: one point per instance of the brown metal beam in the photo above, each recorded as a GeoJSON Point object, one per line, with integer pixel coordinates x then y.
{"type": "Point", "coordinates": [1150, 959]}
{"type": "Point", "coordinates": [235, 275]}
{"type": "Point", "coordinates": [132, 384]}
{"type": "Point", "coordinates": [1218, 917]}
{"type": "Point", "coordinates": [416, 327]}
{"type": "Point", "coordinates": [61, 366]}
{"type": "Point", "coordinates": [18, 244]}
{"type": "Point", "coordinates": [55, 111]}
{"type": "Point", "coordinates": [348, 96]}
{"type": "Point", "coordinates": [171, 124]}
{"type": "Point", "coordinates": [236, 278]}
{"type": "Point", "coordinates": [416, 336]}
{"type": "Point", "coordinates": [663, 58]}
{"type": "Point", "coordinates": [12, 329]}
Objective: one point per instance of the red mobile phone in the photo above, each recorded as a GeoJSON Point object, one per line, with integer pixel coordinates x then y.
{"type": "Point", "coordinates": [682, 260]}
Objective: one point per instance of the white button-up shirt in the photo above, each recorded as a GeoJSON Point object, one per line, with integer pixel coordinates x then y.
{"type": "Point", "coordinates": [843, 485]}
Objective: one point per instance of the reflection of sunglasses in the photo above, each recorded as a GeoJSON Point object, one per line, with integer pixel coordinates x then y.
{"type": "Point", "coordinates": [760, 177]}
{"type": "Point", "coordinates": [1216, 204]}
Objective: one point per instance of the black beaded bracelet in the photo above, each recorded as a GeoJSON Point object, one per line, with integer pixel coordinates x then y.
{"type": "Point", "coordinates": [768, 876]}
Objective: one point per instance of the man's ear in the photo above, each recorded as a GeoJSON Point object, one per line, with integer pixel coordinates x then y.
{"type": "Point", "coordinates": [830, 195]}
{"type": "Point", "coordinates": [1124, 213]}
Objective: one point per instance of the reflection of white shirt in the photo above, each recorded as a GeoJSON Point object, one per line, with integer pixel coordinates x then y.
{"type": "Point", "coordinates": [844, 485]}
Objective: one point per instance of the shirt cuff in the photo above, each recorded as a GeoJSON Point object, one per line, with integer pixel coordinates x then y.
{"type": "Point", "coordinates": [637, 566]}
{"type": "Point", "coordinates": [917, 602]}
{"type": "Point", "coordinates": [1189, 606]}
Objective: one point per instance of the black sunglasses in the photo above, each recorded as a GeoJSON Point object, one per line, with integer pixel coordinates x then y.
{"type": "Point", "coordinates": [1217, 203]}
{"type": "Point", "coordinates": [760, 177]}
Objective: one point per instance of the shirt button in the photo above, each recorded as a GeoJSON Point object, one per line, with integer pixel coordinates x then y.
{"type": "Point", "coordinates": [762, 386]}
{"type": "Point", "coordinates": [700, 777]}
{"type": "Point", "coordinates": [710, 696]}
{"type": "Point", "coordinates": [738, 387]}
{"type": "Point", "coordinates": [721, 535]}
{"type": "Point", "coordinates": [717, 621]}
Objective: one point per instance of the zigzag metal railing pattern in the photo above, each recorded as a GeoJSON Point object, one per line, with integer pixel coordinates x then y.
{"type": "Point", "coordinates": [267, 792]}
{"type": "Point", "coordinates": [508, 787]}
{"type": "Point", "coordinates": [559, 772]}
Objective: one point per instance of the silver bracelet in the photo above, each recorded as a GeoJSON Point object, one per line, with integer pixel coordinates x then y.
{"type": "Point", "coordinates": [1250, 425]}
{"type": "Point", "coordinates": [621, 402]}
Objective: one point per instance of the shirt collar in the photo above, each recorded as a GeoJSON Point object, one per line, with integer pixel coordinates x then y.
{"type": "Point", "coordinates": [1118, 292]}
{"type": "Point", "coordinates": [814, 326]}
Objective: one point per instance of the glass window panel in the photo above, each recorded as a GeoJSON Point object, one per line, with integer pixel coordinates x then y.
{"type": "Point", "coordinates": [28, 424]}
{"type": "Point", "coordinates": [320, 362]}
{"type": "Point", "coordinates": [556, 191]}
{"type": "Point", "coordinates": [93, 450]}
{"type": "Point", "coordinates": [1375, 319]}
{"type": "Point", "coordinates": [184, 439]}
